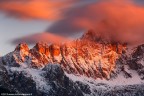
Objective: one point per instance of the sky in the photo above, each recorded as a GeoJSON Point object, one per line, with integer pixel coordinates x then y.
{"type": "Point", "coordinates": [11, 29]}
{"type": "Point", "coordinates": [31, 21]}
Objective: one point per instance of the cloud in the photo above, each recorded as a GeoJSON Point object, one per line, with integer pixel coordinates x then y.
{"type": "Point", "coordinates": [66, 26]}
{"type": "Point", "coordinates": [113, 20]}
{"type": "Point", "coordinates": [35, 9]}
{"type": "Point", "coordinates": [44, 37]}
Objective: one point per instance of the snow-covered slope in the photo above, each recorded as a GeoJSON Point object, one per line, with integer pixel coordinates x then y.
{"type": "Point", "coordinates": [53, 81]}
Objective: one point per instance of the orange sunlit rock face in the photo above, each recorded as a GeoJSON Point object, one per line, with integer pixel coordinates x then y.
{"type": "Point", "coordinates": [84, 57]}
{"type": "Point", "coordinates": [23, 51]}
{"type": "Point", "coordinates": [42, 48]}
{"type": "Point", "coordinates": [55, 50]}
{"type": "Point", "coordinates": [22, 47]}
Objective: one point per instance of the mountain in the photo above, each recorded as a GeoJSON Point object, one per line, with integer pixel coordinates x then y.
{"type": "Point", "coordinates": [82, 56]}
{"type": "Point", "coordinates": [84, 67]}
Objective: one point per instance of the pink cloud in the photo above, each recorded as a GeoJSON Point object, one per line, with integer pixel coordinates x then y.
{"type": "Point", "coordinates": [44, 37]}
{"type": "Point", "coordinates": [35, 9]}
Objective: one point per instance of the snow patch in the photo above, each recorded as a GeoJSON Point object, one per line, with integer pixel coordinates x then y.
{"type": "Point", "coordinates": [120, 80]}
{"type": "Point", "coordinates": [35, 74]}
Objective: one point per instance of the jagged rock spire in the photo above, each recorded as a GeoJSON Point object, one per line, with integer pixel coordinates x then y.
{"type": "Point", "coordinates": [22, 46]}
{"type": "Point", "coordinates": [92, 35]}
{"type": "Point", "coordinates": [42, 47]}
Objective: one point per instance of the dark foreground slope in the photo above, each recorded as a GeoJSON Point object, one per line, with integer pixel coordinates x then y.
{"type": "Point", "coordinates": [52, 81]}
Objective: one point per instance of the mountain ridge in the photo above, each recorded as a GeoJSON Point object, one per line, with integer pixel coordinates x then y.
{"type": "Point", "coordinates": [82, 56]}
{"type": "Point", "coordinates": [83, 67]}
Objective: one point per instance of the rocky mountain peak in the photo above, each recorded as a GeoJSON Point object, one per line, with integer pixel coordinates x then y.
{"type": "Point", "coordinates": [89, 35]}
{"type": "Point", "coordinates": [42, 47]}
{"type": "Point", "coordinates": [92, 35]}
{"type": "Point", "coordinates": [139, 51]}
{"type": "Point", "coordinates": [136, 61]}
{"type": "Point", "coordinates": [20, 52]}
{"type": "Point", "coordinates": [22, 47]}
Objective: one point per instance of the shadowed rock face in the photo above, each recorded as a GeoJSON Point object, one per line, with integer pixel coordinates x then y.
{"type": "Point", "coordinates": [57, 83]}
{"type": "Point", "coordinates": [3, 90]}
{"type": "Point", "coordinates": [15, 82]}
{"type": "Point", "coordinates": [136, 61]}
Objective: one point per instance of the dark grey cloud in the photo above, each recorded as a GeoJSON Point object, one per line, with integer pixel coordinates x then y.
{"type": "Point", "coordinates": [66, 25]}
